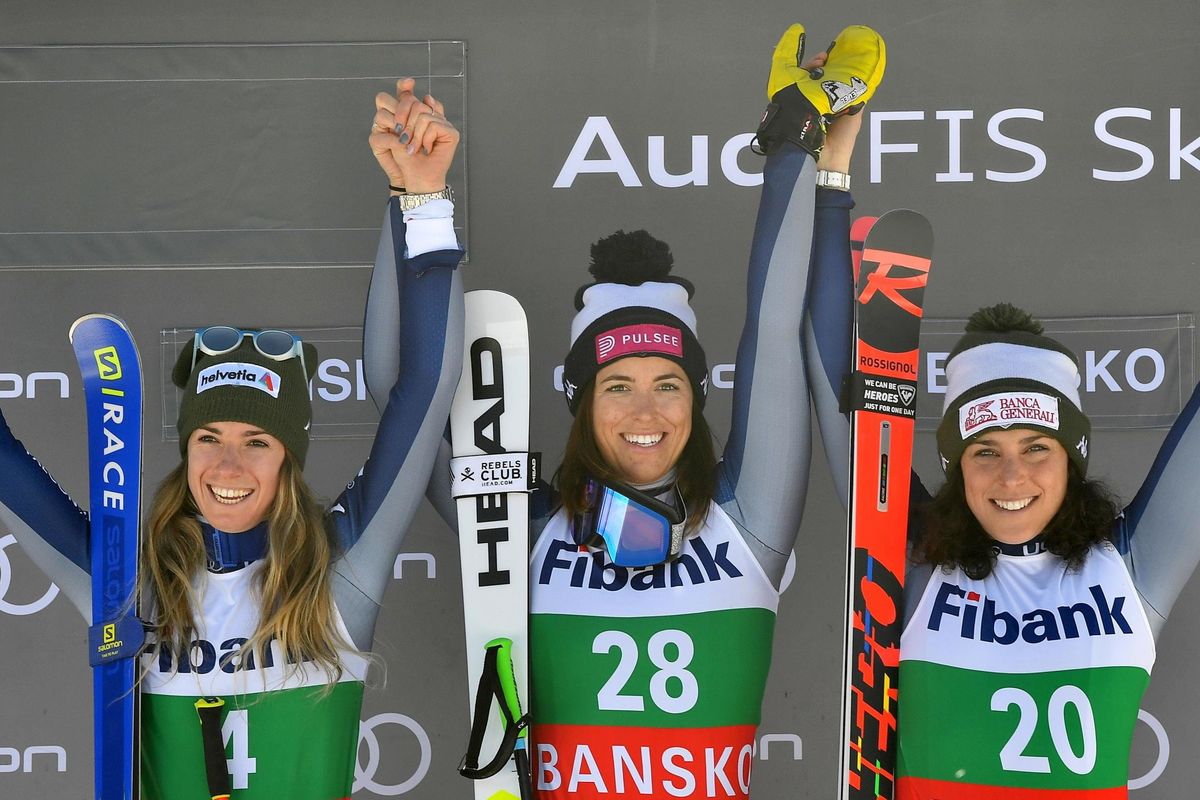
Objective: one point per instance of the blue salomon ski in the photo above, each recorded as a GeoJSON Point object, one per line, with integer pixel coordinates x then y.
{"type": "Point", "coordinates": [112, 387]}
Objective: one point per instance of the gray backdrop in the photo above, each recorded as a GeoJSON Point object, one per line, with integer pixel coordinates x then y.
{"type": "Point", "coordinates": [1053, 146]}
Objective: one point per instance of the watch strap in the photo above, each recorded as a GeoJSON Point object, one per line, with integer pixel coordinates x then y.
{"type": "Point", "coordinates": [410, 200]}
{"type": "Point", "coordinates": [833, 180]}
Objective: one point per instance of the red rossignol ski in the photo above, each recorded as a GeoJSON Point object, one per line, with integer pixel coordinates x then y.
{"type": "Point", "coordinates": [882, 392]}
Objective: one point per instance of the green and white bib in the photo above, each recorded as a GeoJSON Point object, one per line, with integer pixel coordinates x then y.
{"type": "Point", "coordinates": [1024, 685]}
{"type": "Point", "coordinates": [648, 682]}
{"type": "Point", "coordinates": [284, 736]}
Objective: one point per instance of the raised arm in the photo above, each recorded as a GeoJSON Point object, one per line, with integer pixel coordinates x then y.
{"type": "Point", "coordinates": [412, 337]}
{"type": "Point", "coordinates": [1159, 532]}
{"type": "Point", "coordinates": [828, 325]}
{"type": "Point", "coordinates": [764, 474]}
{"type": "Point", "coordinates": [381, 328]}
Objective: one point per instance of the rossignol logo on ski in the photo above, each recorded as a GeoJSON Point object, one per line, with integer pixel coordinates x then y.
{"type": "Point", "coordinates": [1007, 409]}
{"type": "Point", "coordinates": [638, 339]}
{"type": "Point", "coordinates": [882, 281]}
{"type": "Point", "coordinates": [882, 395]}
{"type": "Point", "coordinates": [238, 374]}
{"type": "Point", "coordinates": [888, 396]}
{"type": "Point", "coordinates": [888, 364]}
{"type": "Point", "coordinates": [979, 619]}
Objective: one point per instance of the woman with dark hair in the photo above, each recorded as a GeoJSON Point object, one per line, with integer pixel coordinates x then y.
{"type": "Point", "coordinates": [1031, 605]}
{"type": "Point", "coordinates": [656, 581]}
{"type": "Point", "coordinates": [250, 591]}
{"type": "Point", "coordinates": [656, 570]}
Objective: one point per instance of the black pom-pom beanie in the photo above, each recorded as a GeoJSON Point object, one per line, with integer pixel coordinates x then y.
{"type": "Point", "coordinates": [1004, 373]}
{"type": "Point", "coordinates": [635, 308]}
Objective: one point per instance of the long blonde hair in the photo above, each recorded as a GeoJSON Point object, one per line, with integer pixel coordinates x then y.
{"type": "Point", "coordinates": [294, 586]}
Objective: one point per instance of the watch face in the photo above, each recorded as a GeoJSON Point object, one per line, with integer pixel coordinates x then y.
{"type": "Point", "coordinates": [833, 180]}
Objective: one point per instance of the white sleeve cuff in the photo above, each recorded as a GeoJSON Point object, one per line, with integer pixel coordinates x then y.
{"type": "Point", "coordinates": [430, 227]}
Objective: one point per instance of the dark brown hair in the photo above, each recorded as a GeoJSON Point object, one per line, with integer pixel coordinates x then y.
{"type": "Point", "coordinates": [952, 537]}
{"type": "Point", "coordinates": [695, 473]}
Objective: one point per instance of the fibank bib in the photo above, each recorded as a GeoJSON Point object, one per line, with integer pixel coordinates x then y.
{"type": "Point", "coordinates": [649, 681]}
{"type": "Point", "coordinates": [1029, 679]}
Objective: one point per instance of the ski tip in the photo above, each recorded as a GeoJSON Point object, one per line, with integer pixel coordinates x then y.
{"type": "Point", "coordinates": [918, 230]}
{"type": "Point", "coordinates": [494, 304]}
{"type": "Point", "coordinates": [908, 216]}
{"type": "Point", "coordinates": [491, 296]}
{"type": "Point", "coordinates": [86, 317]}
{"type": "Point", "coordinates": [859, 229]}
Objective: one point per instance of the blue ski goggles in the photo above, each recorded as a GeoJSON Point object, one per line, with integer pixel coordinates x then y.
{"type": "Point", "coordinates": [637, 530]}
{"type": "Point", "coordinates": [274, 344]}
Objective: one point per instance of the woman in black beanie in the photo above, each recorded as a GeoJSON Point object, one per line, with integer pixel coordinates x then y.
{"type": "Point", "coordinates": [1032, 606]}
{"type": "Point", "coordinates": [251, 592]}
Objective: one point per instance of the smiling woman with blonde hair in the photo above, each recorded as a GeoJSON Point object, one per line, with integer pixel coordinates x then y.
{"type": "Point", "coordinates": [250, 590]}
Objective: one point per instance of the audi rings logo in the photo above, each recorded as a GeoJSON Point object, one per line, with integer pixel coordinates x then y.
{"type": "Point", "coordinates": [364, 776]}
{"type": "Point", "coordinates": [1164, 751]}
{"type": "Point", "coordinates": [6, 572]}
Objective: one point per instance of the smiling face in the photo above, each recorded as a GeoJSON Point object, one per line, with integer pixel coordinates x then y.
{"type": "Point", "coordinates": [233, 473]}
{"type": "Point", "coordinates": [641, 416]}
{"type": "Point", "coordinates": [1015, 481]}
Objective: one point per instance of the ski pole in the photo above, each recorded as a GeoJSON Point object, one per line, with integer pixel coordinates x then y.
{"type": "Point", "coordinates": [209, 711]}
{"type": "Point", "coordinates": [498, 682]}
